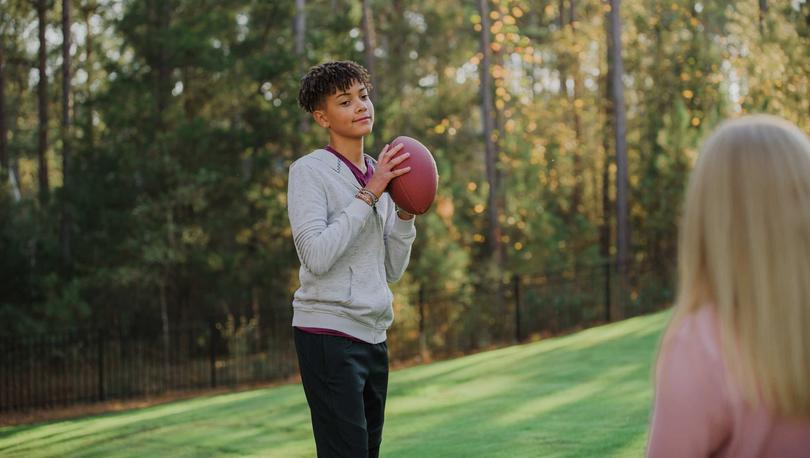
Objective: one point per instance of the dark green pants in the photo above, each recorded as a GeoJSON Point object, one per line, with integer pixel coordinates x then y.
{"type": "Point", "coordinates": [346, 383]}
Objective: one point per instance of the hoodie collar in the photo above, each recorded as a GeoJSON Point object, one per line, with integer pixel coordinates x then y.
{"type": "Point", "coordinates": [337, 166]}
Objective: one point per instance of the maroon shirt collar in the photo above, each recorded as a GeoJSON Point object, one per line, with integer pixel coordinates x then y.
{"type": "Point", "coordinates": [362, 178]}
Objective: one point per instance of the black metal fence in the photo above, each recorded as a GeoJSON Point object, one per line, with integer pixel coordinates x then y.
{"type": "Point", "coordinates": [92, 365]}
{"type": "Point", "coordinates": [522, 307]}
{"type": "Point", "coordinates": [96, 365]}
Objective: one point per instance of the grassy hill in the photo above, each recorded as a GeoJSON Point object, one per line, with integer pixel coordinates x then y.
{"type": "Point", "coordinates": [586, 394]}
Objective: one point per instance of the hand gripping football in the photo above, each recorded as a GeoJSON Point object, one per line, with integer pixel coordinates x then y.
{"type": "Point", "coordinates": [414, 191]}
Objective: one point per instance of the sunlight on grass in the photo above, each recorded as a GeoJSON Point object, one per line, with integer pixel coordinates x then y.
{"type": "Point", "coordinates": [587, 394]}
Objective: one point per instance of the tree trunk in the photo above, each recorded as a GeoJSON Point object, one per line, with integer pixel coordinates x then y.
{"type": "Point", "coordinates": [300, 27]}
{"type": "Point", "coordinates": [494, 243]}
{"type": "Point", "coordinates": [88, 63]}
{"type": "Point", "coordinates": [499, 202]}
{"type": "Point", "coordinates": [42, 94]}
{"type": "Point", "coordinates": [300, 54]}
{"type": "Point", "coordinates": [576, 198]}
{"type": "Point", "coordinates": [530, 67]}
{"type": "Point", "coordinates": [65, 131]}
{"type": "Point", "coordinates": [11, 128]}
{"type": "Point", "coordinates": [66, 220]}
{"type": "Point", "coordinates": [398, 47]}
{"type": "Point", "coordinates": [568, 68]}
{"type": "Point", "coordinates": [369, 44]}
{"type": "Point", "coordinates": [159, 11]}
{"type": "Point", "coordinates": [4, 169]}
{"type": "Point", "coordinates": [763, 11]}
{"type": "Point", "coordinates": [561, 57]}
{"type": "Point", "coordinates": [490, 149]}
{"type": "Point", "coordinates": [159, 17]}
{"type": "Point", "coordinates": [605, 229]}
{"type": "Point", "coordinates": [164, 282]}
{"type": "Point", "coordinates": [369, 40]}
{"type": "Point", "coordinates": [619, 129]}
{"type": "Point", "coordinates": [163, 71]}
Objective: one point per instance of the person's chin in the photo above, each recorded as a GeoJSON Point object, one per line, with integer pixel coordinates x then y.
{"type": "Point", "coordinates": [365, 130]}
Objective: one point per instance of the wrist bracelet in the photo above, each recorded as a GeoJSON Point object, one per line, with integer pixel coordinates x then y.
{"type": "Point", "coordinates": [365, 198]}
{"type": "Point", "coordinates": [370, 194]}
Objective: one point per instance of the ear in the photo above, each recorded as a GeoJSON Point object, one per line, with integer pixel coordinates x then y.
{"type": "Point", "coordinates": [320, 117]}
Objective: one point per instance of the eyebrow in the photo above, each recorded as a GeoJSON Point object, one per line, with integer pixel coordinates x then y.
{"type": "Point", "coordinates": [349, 94]}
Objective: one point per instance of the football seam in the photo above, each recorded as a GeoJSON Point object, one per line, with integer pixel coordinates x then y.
{"type": "Point", "coordinates": [410, 202]}
{"type": "Point", "coordinates": [407, 197]}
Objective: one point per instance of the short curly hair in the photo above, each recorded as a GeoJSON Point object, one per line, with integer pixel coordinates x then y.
{"type": "Point", "coordinates": [325, 79]}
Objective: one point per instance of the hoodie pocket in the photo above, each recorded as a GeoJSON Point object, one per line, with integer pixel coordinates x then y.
{"type": "Point", "coordinates": [334, 288]}
{"type": "Point", "coordinates": [370, 296]}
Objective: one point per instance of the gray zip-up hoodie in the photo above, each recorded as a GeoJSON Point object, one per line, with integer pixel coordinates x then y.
{"type": "Point", "coordinates": [349, 251]}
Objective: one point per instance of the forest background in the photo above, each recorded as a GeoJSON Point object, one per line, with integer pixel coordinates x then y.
{"type": "Point", "coordinates": [144, 144]}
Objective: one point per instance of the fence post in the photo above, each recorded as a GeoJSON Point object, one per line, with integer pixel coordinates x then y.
{"type": "Point", "coordinates": [213, 353]}
{"type": "Point", "coordinates": [4, 382]}
{"type": "Point", "coordinates": [608, 292]}
{"type": "Point", "coordinates": [516, 294]}
{"type": "Point", "coordinates": [100, 363]}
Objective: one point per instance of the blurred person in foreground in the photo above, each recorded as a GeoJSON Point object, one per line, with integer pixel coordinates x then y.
{"type": "Point", "coordinates": [733, 372]}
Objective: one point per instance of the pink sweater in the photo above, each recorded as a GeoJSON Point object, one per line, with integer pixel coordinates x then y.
{"type": "Point", "coordinates": [698, 412]}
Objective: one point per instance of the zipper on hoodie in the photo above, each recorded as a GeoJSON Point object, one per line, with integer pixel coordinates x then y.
{"type": "Point", "coordinates": [381, 227]}
{"type": "Point", "coordinates": [381, 260]}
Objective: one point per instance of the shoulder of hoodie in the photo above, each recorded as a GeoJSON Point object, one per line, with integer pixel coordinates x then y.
{"type": "Point", "coordinates": [320, 157]}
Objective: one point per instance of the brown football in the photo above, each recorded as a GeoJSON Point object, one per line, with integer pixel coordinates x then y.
{"type": "Point", "coordinates": [414, 191]}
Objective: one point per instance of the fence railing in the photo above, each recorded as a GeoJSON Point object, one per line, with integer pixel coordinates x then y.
{"type": "Point", "coordinates": [78, 367]}
{"type": "Point", "coordinates": [84, 366]}
{"type": "Point", "coordinates": [521, 307]}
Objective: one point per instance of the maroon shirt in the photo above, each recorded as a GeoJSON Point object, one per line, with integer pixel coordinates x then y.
{"type": "Point", "coordinates": [362, 178]}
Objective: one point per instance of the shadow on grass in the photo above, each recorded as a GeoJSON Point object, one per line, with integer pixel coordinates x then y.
{"type": "Point", "coordinates": [213, 423]}
{"type": "Point", "coordinates": [584, 394]}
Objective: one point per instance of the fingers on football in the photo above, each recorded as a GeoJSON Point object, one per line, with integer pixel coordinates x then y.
{"type": "Point", "coordinates": [381, 156]}
{"type": "Point", "coordinates": [401, 171]}
{"type": "Point", "coordinates": [400, 158]}
{"type": "Point", "coordinates": [392, 151]}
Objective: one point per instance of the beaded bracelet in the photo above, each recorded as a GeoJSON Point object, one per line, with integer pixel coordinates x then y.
{"type": "Point", "coordinates": [370, 194]}
{"type": "Point", "coordinates": [365, 198]}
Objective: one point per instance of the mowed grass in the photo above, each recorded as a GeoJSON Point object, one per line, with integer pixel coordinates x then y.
{"type": "Point", "coordinates": [586, 394]}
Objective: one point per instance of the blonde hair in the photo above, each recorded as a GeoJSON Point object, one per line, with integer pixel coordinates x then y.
{"type": "Point", "coordinates": [745, 250]}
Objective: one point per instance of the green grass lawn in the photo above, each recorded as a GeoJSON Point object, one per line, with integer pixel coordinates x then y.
{"type": "Point", "coordinates": [586, 394]}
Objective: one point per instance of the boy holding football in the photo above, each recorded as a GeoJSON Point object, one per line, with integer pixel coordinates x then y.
{"type": "Point", "coordinates": [352, 241]}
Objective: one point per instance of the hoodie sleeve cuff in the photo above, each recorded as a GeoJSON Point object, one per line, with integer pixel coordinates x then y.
{"type": "Point", "coordinates": [404, 226]}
